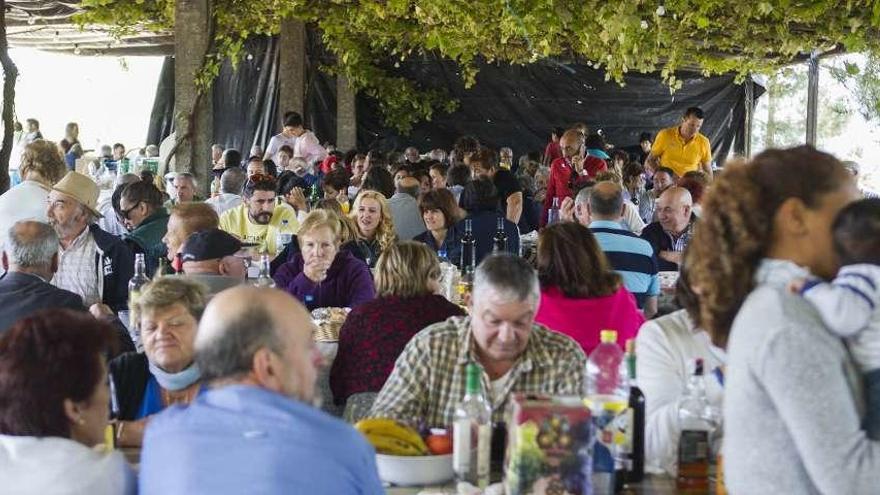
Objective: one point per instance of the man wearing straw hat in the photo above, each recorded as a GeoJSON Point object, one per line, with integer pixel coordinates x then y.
{"type": "Point", "coordinates": [92, 263]}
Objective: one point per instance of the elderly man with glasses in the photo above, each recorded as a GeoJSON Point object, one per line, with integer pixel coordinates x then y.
{"type": "Point", "coordinates": [258, 219]}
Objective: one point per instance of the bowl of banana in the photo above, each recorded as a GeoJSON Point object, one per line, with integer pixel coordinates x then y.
{"type": "Point", "coordinates": [402, 456]}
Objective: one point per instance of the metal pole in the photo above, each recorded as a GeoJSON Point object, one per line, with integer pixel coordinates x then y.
{"type": "Point", "coordinates": [749, 117]}
{"type": "Point", "coordinates": [812, 98]}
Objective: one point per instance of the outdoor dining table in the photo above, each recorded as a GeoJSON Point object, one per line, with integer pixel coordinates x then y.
{"type": "Point", "coordinates": [652, 485]}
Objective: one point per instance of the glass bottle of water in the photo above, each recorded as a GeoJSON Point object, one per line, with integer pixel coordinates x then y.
{"type": "Point", "coordinates": [137, 282]}
{"type": "Point", "coordinates": [472, 433]}
{"type": "Point", "coordinates": [283, 237]}
{"type": "Point", "coordinates": [553, 213]}
{"type": "Point", "coordinates": [264, 280]}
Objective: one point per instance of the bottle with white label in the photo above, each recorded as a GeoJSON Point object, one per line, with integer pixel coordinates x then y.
{"type": "Point", "coordinates": [472, 433]}
{"type": "Point", "coordinates": [283, 237]}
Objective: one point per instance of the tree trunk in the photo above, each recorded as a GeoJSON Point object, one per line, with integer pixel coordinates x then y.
{"type": "Point", "coordinates": [10, 74]}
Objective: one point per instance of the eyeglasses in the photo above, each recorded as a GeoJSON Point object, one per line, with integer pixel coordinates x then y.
{"type": "Point", "coordinates": [125, 214]}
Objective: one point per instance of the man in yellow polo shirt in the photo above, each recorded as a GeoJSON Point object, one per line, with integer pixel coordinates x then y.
{"type": "Point", "coordinates": [682, 148]}
{"type": "Point", "coordinates": [258, 218]}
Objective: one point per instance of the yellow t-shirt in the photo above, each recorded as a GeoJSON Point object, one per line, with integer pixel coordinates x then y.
{"type": "Point", "coordinates": [680, 156]}
{"type": "Point", "coordinates": [237, 222]}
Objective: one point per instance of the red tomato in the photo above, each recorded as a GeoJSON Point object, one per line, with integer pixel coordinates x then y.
{"type": "Point", "coordinates": [439, 444]}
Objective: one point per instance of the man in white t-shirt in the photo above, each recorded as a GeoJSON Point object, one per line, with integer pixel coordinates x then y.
{"type": "Point", "coordinates": [304, 143]}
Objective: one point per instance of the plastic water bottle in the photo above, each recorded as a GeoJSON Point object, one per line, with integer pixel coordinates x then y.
{"type": "Point", "coordinates": [608, 395]}
{"type": "Point", "coordinates": [283, 237]}
{"type": "Point", "coordinates": [604, 365]}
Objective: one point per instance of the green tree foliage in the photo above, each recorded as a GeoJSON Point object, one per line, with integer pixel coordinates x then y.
{"type": "Point", "coordinates": [861, 76]}
{"type": "Point", "coordinates": [367, 36]}
{"type": "Point", "coordinates": [780, 119]}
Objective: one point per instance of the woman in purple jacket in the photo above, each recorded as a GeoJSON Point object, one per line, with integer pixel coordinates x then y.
{"type": "Point", "coordinates": [321, 275]}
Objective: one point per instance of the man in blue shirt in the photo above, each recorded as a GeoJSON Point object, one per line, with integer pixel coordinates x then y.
{"type": "Point", "coordinates": [631, 256]}
{"type": "Point", "coordinates": [254, 430]}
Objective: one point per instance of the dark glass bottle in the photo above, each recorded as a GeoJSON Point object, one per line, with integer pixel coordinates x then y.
{"type": "Point", "coordinates": [499, 240]}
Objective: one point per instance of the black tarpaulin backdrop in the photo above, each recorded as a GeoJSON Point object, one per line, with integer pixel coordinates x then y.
{"type": "Point", "coordinates": [512, 106]}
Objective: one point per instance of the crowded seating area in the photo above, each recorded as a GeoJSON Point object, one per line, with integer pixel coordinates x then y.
{"type": "Point", "coordinates": [311, 317]}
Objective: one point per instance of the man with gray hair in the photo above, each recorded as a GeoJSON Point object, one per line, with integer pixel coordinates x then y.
{"type": "Point", "coordinates": [183, 189]}
{"type": "Point", "coordinates": [515, 354]}
{"type": "Point", "coordinates": [630, 255]}
{"type": "Point", "coordinates": [254, 425]}
{"type": "Point", "coordinates": [231, 185]}
{"type": "Point", "coordinates": [578, 210]}
{"type": "Point", "coordinates": [92, 263]}
{"type": "Point", "coordinates": [673, 230]}
{"type": "Point", "coordinates": [30, 258]}
{"type": "Point", "coordinates": [404, 207]}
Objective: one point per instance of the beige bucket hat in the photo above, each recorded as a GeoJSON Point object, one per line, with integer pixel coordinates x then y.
{"type": "Point", "coordinates": [81, 188]}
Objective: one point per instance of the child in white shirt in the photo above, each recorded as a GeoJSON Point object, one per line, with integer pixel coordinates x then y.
{"type": "Point", "coordinates": [850, 304]}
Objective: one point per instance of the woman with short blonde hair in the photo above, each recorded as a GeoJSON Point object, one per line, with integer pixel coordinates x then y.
{"type": "Point", "coordinates": [374, 224]}
{"type": "Point", "coordinates": [42, 166]}
{"type": "Point", "coordinates": [166, 315]}
{"type": "Point", "coordinates": [42, 162]}
{"type": "Point", "coordinates": [408, 269]}
{"type": "Point", "coordinates": [376, 332]}
{"type": "Point", "coordinates": [321, 275]}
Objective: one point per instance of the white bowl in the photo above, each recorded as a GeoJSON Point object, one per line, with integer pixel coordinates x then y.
{"type": "Point", "coordinates": [415, 470]}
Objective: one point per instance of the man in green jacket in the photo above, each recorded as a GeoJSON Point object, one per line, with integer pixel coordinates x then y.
{"type": "Point", "coordinates": [140, 208]}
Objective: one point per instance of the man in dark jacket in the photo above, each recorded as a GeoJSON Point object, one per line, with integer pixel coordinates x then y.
{"type": "Point", "coordinates": [673, 230]}
{"type": "Point", "coordinates": [92, 263]}
{"type": "Point", "coordinates": [30, 259]}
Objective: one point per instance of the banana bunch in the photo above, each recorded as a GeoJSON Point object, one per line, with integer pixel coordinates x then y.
{"type": "Point", "coordinates": [392, 437]}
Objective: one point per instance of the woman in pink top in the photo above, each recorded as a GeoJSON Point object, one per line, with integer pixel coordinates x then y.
{"type": "Point", "coordinates": [580, 294]}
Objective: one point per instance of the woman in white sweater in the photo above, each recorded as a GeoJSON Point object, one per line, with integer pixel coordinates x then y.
{"type": "Point", "coordinates": [793, 403]}
{"type": "Point", "coordinates": [54, 408]}
{"type": "Point", "coordinates": [666, 349]}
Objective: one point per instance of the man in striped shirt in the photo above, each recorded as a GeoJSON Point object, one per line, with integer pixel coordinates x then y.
{"type": "Point", "coordinates": [631, 256]}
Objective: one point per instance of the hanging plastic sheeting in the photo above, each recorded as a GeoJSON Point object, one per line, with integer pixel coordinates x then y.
{"type": "Point", "coordinates": [245, 99]}
{"type": "Point", "coordinates": [513, 106]}
{"type": "Point", "coordinates": [517, 106]}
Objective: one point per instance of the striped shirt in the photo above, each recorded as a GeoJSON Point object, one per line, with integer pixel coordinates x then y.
{"type": "Point", "coordinates": [630, 256]}
{"type": "Point", "coordinates": [428, 380]}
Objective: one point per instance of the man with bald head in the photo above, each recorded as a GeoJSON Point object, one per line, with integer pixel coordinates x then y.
{"type": "Point", "coordinates": [408, 222]}
{"type": "Point", "coordinates": [254, 430]}
{"type": "Point", "coordinates": [672, 231]}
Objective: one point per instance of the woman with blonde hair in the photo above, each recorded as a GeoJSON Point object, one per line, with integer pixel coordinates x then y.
{"type": "Point", "coordinates": [41, 167]}
{"type": "Point", "coordinates": [322, 275]}
{"type": "Point", "coordinates": [791, 390]}
{"type": "Point", "coordinates": [375, 333]}
{"type": "Point", "coordinates": [374, 224]}
{"type": "Point", "coordinates": [166, 315]}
